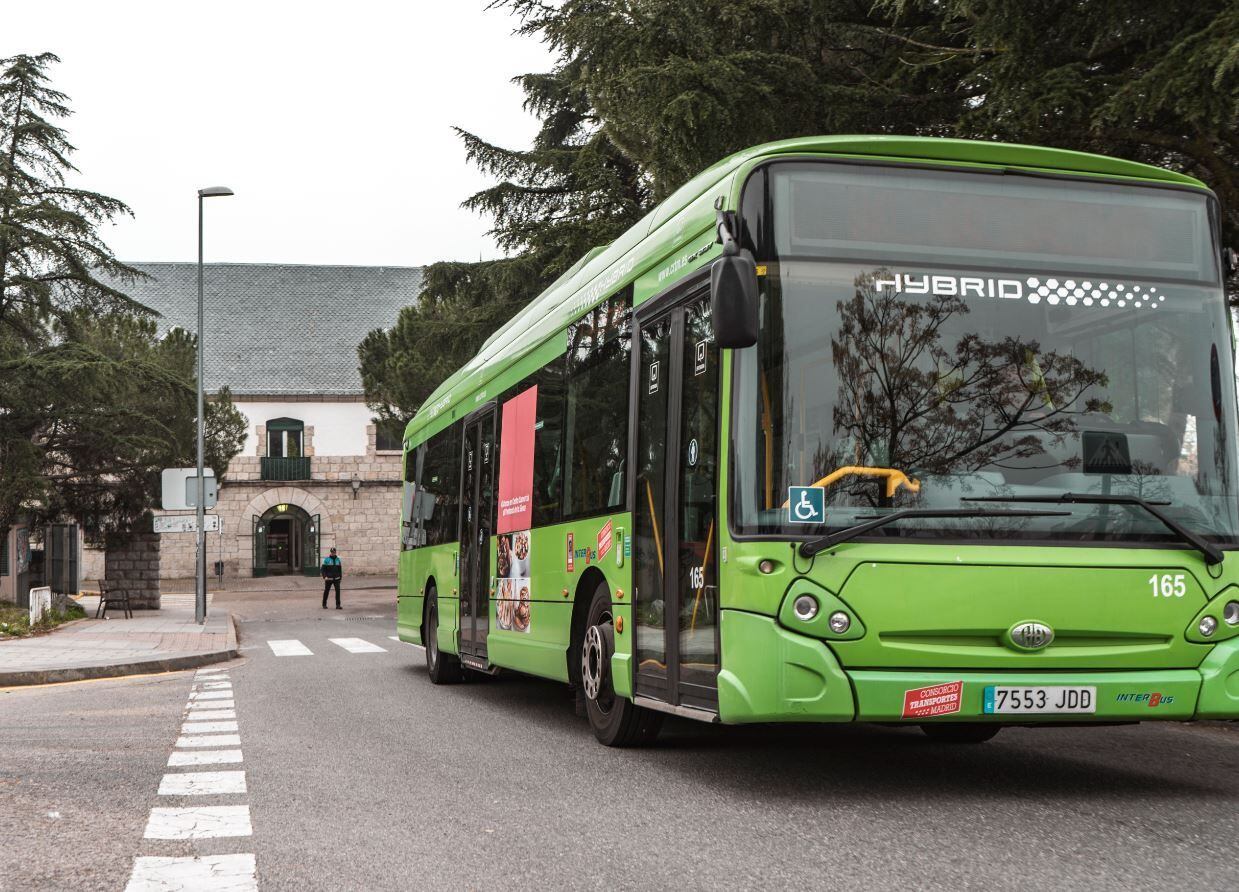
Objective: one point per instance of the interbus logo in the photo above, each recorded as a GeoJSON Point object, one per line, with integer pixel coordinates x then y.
{"type": "Point", "coordinates": [1034, 289]}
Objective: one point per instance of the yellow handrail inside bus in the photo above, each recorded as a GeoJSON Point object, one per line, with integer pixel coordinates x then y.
{"type": "Point", "coordinates": [895, 478]}
{"type": "Point", "coordinates": [649, 494]}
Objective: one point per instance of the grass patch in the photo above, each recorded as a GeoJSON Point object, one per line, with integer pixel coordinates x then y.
{"type": "Point", "coordinates": [15, 621]}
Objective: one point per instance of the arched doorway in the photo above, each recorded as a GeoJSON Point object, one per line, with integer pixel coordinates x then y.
{"type": "Point", "coordinates": [286, 542]}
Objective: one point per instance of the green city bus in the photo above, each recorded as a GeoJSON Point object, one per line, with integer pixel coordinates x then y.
{"type": "Point", "coordinates": [879, 429]}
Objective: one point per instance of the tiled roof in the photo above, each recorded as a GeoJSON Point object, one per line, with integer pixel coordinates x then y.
{"type": "Point", "coordinates": [276, 328]}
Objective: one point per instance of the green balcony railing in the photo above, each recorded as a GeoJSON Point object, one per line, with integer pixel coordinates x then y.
{"type": "Point", "coordinates": [286, 468]}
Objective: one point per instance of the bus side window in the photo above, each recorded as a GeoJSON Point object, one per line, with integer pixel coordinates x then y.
{"type": "Point", "coordinates": [596, 416]}
{"type": "Point", "coordinates": [419, 504]}
{"type": "Point", "coordinates": [548, 444]}
{"type": "Point", "coordinates": [436, 503]}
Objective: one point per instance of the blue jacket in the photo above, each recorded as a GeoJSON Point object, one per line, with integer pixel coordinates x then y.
{"type": "Point", "coordinates": [332, 568]}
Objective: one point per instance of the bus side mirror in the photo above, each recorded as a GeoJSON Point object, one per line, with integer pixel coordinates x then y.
{"type": "Point", "coordinates": [733, 300]}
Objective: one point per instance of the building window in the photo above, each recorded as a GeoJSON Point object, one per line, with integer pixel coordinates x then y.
{"type": "Point", "coordinates": [388, 435]}
{"type": "Point", "coordinates": [285, 437]}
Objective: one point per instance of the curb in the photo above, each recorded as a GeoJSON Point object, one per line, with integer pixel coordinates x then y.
{"type": "Point", "coordinates": [119, 670]}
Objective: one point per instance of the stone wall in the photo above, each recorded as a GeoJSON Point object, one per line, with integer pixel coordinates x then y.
{"type": "Point", "coordinates": [135, 566]}
{"type": "Point", "coordinates": [364, 528]}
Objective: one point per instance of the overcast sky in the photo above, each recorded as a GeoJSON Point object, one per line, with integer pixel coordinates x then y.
{"type": "Point", "coordinates": [331, 121]}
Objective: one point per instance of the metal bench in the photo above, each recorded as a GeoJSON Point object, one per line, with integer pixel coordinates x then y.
{"type": "Point", "coordinates": [110, 594]}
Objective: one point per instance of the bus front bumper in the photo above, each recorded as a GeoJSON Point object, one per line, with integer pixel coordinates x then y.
{"type": "Point", "coordinates": [770, 674]}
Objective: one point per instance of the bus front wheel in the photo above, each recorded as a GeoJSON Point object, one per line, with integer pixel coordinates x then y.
{"type": "Point", "coordinates": [442, 668]}
{"type": "Point", "coordinates": [616, 720]}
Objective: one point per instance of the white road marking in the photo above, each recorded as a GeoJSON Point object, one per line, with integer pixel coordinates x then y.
{"type": "Point", "coordinates": [204, 757]}
{"type": "Point", "coordinates": [358, 646]}
{"type": "Point", "coordinates": [201, 822]}
{"type": "Point", "coordinates": [233, 873]}
{"type": "Point", "coordinates": [207, 727]}
{"type": "Point", "coordinates": [217, 686]}
{"type": "Point", "coordinates": [211, 695]}
{"type": "Point", "coordinates": [202, 783]}
{"type": "Point", "coordinates": [209, 715]}
{"type": "Point", "coordinates": [208, 740]}
{"type": "Point", "coordinates": [211, 704]}
{"type": "Point", "coordinates": [289, 647]}
{"type": "Point", "coordinates": [216, 671]}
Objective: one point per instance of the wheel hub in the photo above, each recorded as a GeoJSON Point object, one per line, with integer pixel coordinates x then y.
{"type": "Point", "coordinates": [595, 661]}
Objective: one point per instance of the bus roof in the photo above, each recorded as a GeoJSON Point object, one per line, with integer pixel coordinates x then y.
{"type": "Point", "coordinates": [555, 307]}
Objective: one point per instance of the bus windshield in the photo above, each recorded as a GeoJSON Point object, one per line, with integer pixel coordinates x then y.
{"type": "Point", "coordinates": [990, 337]}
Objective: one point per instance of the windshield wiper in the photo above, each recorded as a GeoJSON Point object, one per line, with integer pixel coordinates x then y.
{"type": "Point", "coordinates": [1213, 554]}
{"type": "Point", "coordinates": [813, 546]}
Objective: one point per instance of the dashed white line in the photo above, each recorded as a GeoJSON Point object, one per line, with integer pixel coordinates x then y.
{"type": "Point", "coordinates": [217, 686]}
{"type": "Point", "coordinates": [289, 647]}
{"type": "Point", "coordinates": [210, 695]}
{"type": "Point", "coordinates": [202, 783]}
{"type": "Point", "coordinates": [207, 727]}
{"type": "Point", "coordinates": [211, 704]}
{"type": "Point", "coordinates": [200, 822]}
{"type": "Point", "coordinates": [204, 757]}
{"type": "Point", "coordinates": [234, 873]}
{"type": "Point", "coordinates": [358, 646]}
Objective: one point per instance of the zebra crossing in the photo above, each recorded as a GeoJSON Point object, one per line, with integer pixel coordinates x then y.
{"type": "Point", "coordinates": [294, 647]}
{"type": "Point", "coordinates": [208, 738]}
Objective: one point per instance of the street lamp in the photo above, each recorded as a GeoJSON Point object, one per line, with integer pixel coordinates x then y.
{"type": "Point", "coordinates": [200, 564]}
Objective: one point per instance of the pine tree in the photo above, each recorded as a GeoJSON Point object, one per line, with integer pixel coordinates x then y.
{"type": "Point", "coordinates": [93, 404]}
{"type": "Point", "coordinates": [571, 191]}
{"type": "Point", "coordinates": [51, 257]}
{"type": "Point", "coordinates": [646, 93]}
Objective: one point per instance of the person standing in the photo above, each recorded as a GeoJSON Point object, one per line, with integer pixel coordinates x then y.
{"type": "Point", "coordinates": [331, 572]}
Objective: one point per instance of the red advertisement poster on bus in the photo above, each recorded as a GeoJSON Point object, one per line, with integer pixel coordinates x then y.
{"type": "Point", "coordinates": [516, 462]}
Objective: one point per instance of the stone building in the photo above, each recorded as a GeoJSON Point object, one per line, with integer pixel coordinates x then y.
{"type": "Point", "coordinates": [315, 470]}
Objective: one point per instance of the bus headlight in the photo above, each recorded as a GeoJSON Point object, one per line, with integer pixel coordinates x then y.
{"type": "Point", "coordinates": [1230, 613]}
{"type": "Point", "coordinates": [840, 622]}
{"type": "Point", "coordinates": [1208, 625]}
{"type": "Point", "coordinates": [806, 607]}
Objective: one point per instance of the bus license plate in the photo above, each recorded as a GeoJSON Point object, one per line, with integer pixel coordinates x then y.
{"type": "Point", "coordinates": [1018, 701]}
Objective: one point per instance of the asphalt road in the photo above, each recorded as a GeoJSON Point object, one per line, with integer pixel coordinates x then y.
{"type": "Point", "coordinates": [362, 775]}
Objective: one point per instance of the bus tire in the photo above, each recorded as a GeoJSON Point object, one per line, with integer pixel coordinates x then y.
{"type": "Point", "coordinates": [961, 732]}
{"type": "Point", "coordinates": [442, 668]}
{"type": "Point", "coordinates": [616, 721]}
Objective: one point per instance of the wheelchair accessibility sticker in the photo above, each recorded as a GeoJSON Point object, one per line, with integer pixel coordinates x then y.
{"type": "Point", "coordinates": [806, 504]}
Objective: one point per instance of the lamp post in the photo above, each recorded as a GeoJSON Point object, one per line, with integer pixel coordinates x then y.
{"type": "Point", "coordinates": [200, 563]}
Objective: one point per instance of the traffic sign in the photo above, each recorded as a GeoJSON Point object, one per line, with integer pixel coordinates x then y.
{"type": "Point", "coordinates": [210, 493]}
{"type": "Point", "coordinates": [186, 523]}
{"type": "Point", "coordinates": [176, 487]}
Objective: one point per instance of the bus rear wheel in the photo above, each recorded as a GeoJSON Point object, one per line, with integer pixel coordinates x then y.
{"type": "Point", "coordinates": [616, 721]}
{"type": "Point", "coordinates": [442, 668]}
{"type": "Point", "coordinates": [961, 732]}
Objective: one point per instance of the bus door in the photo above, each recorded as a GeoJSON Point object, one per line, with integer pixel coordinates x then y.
{"type": "Point", "coordinates": [477, 519]}
{"type": "Point", "coordinates": [675, 443]}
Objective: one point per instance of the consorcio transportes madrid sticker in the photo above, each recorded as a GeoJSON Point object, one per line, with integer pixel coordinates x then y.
{"type": "Point", "coordinates": [939, 699]}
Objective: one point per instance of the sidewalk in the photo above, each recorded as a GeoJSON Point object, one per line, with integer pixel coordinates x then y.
{"type": "Point", "coordinates": [153, 641]}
